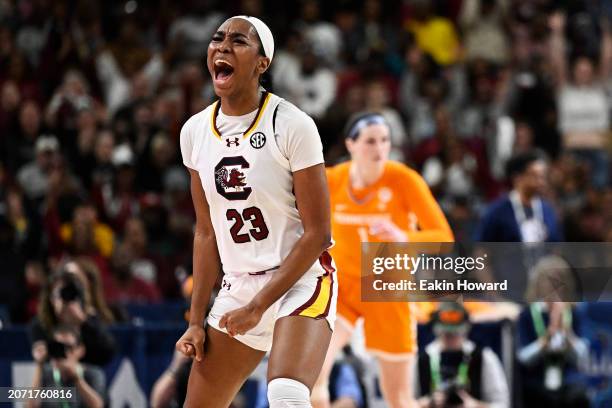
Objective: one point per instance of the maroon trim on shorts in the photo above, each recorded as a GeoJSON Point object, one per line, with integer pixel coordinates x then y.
{"type": "Point", "coordinates": [263, 272]}
{"type": "Point", "coordinates": [326, 262]}
{"type": "Point", "coordinates": [310, 301]}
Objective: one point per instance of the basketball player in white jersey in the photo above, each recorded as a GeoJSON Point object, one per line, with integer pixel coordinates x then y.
{"type": "Point", "coordinates": [260, 193]}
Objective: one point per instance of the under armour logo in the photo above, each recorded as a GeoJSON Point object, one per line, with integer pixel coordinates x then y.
{"type": "Point", "coordinates": [229, 142]}
{"type": "Point", "coordinates": [226, 285]}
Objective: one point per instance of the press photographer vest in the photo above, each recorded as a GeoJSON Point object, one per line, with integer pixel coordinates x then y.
{"type": "Point", "coordinates": [433, 371]}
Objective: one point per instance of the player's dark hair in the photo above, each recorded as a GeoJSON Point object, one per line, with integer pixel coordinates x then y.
{"type": "Point", "coordinates": [519, 163]}
{"type": "Point", "coordinates": [265, 79]}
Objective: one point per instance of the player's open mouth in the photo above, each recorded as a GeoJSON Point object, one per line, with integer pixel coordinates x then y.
{"type": "Point", "coordinates": [223, 70]}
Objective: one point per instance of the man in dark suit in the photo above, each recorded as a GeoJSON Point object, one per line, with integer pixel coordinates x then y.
{"type": "Point", "coordinates": [522, 215]}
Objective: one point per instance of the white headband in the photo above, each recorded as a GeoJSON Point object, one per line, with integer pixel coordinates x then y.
{"type": "Point", "coordinates": [264, 33]}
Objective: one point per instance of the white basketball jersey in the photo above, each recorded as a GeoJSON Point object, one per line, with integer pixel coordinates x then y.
{"type": "Point", "coordinates": [249, 187]}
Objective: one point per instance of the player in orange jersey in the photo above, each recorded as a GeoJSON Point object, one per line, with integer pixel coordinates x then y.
{"type": "Point", "coordinates": [374, 199]}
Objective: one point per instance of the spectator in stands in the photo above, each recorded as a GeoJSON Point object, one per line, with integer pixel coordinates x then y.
{"type": "Point", "coordinates": [434, 34]}
{"type": "Point", "coordinates": [26, 223]}
{"type": "Point", "coordinates": [102, 171]}
{"type": "Point", "coordinates": [34, 176]}
{"type": "Point", "coordinates": [83, 235]}
{"type": "Point", "coordinates": [513, 136]}
{"type": "Point", "coordinates": [123, 286]}
{"type": "Point", "coordinates": [118, 199]}
{"type": "Point", "coordinates": [127, 69]}
{"type": "Point", "coordinates": [314, 88]}
{"type": "Point", "coordinates": [324, 37]}
{"type": "Point", "coordinates": [60, 366]}
{"type": "Point", "coordinates": [484, 25]}
{"type": "Point", "coordinates": [378, 99]}
{"type": "Point", "coordinates": [523, 215]}
{"type": "Point", "coordinates": [79, 146]}
{"type": "Point", "coordinates": [426, 88]}
{"type": "Point", "coordinates": [64, 302]}
{"type": "Point", "coordinates": [452, 371]}
{"type": "Point", "coordinates": [10, 98]}
{"type": "Point", "coordinates": [157, 159]}
{"type": "Point", "coordinates": [486, 95]}
{"type": "Point", "coordinates": [451, 172]}
{"type": "Point", "coordinates": [144, 124]}
{"type": "Point", "coordinates": [194, 28]}
{"type": "Point", "coordinates": [287, 64]}
{"type": "Point", "coordinates": [584, 109]}
{"type": "Point", "coordinates": [378, 35]}
{"type": "Point", "coordinates": [69, 98]}
{"type": "Point", "coordinates": [353, 49]}
{"type": "Point", "coordinates": [549, 343]}
{"type": "Point", "coordinates": [19, 70]}
{"type": "Point", "coordinates": [20, 148]}
{"type": "Point", "coordinates": [69, 41]}
{"type": "Point", "coordinates": [181, 218]}
{"type": "Point", "coordinates": [147, 265]}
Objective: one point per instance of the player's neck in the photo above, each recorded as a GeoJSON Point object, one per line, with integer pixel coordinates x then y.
{"type": "Point", "coordinates": [365, 176]}
{"type": "Point", "coordinates": [240, 104]}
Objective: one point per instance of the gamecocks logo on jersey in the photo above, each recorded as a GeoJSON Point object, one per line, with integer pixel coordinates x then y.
{"type": "Point", "coordinates": [258, 140]}
{"type": "Point", "coordinates": [230, 179]}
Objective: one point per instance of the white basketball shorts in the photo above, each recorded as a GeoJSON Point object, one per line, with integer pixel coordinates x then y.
{"type": "Point", "coordinates": [314, 296]}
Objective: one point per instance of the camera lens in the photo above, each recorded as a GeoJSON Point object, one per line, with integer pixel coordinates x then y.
{"type": "Point", "coordinates": [70, 292]}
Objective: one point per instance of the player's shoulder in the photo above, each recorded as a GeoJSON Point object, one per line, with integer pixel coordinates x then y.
{"type": "Point", "coordinates": [397, 169]}
{"type": "Point", "coordinates": [338, 170]}
{"type": "Point", "coordinates": [290, 116]}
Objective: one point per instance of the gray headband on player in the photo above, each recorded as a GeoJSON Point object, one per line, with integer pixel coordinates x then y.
{"type": "Point", "coordinates": [365, 121]}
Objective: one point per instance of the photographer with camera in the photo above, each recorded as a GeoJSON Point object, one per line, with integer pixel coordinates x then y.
{"type": "Point", "coordinates": [63, 369]}
{"type": "Point", "coordinates": [455, 372]}
{"type": "Point", "coordinates": [64, 302]}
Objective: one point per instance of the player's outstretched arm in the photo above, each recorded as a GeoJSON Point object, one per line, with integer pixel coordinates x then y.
{"type": "Point", "coordinates": [206, 267]}
{"type": "Point", "coordinates": [432, 221]}
{"type": "Point", "coordinates": [312, 196]}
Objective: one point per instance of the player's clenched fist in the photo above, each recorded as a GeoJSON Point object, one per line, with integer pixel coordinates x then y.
{"type": "Point", "coordinates": [191, 342]}
{"type": "Point", "coordinates": [241, 320]}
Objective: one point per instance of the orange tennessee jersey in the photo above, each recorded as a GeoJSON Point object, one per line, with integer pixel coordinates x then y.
{"type": "Point", "coordinates": [400, 195]}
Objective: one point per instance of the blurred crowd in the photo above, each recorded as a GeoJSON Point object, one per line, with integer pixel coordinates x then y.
{"type": "Point", "coordinates": [93, 195]}
{"type": "Point", "coordinates": [93, 96]}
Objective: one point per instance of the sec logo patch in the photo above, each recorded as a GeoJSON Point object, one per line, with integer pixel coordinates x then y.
{"type": "Point", "coordinates": [258, 140]}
